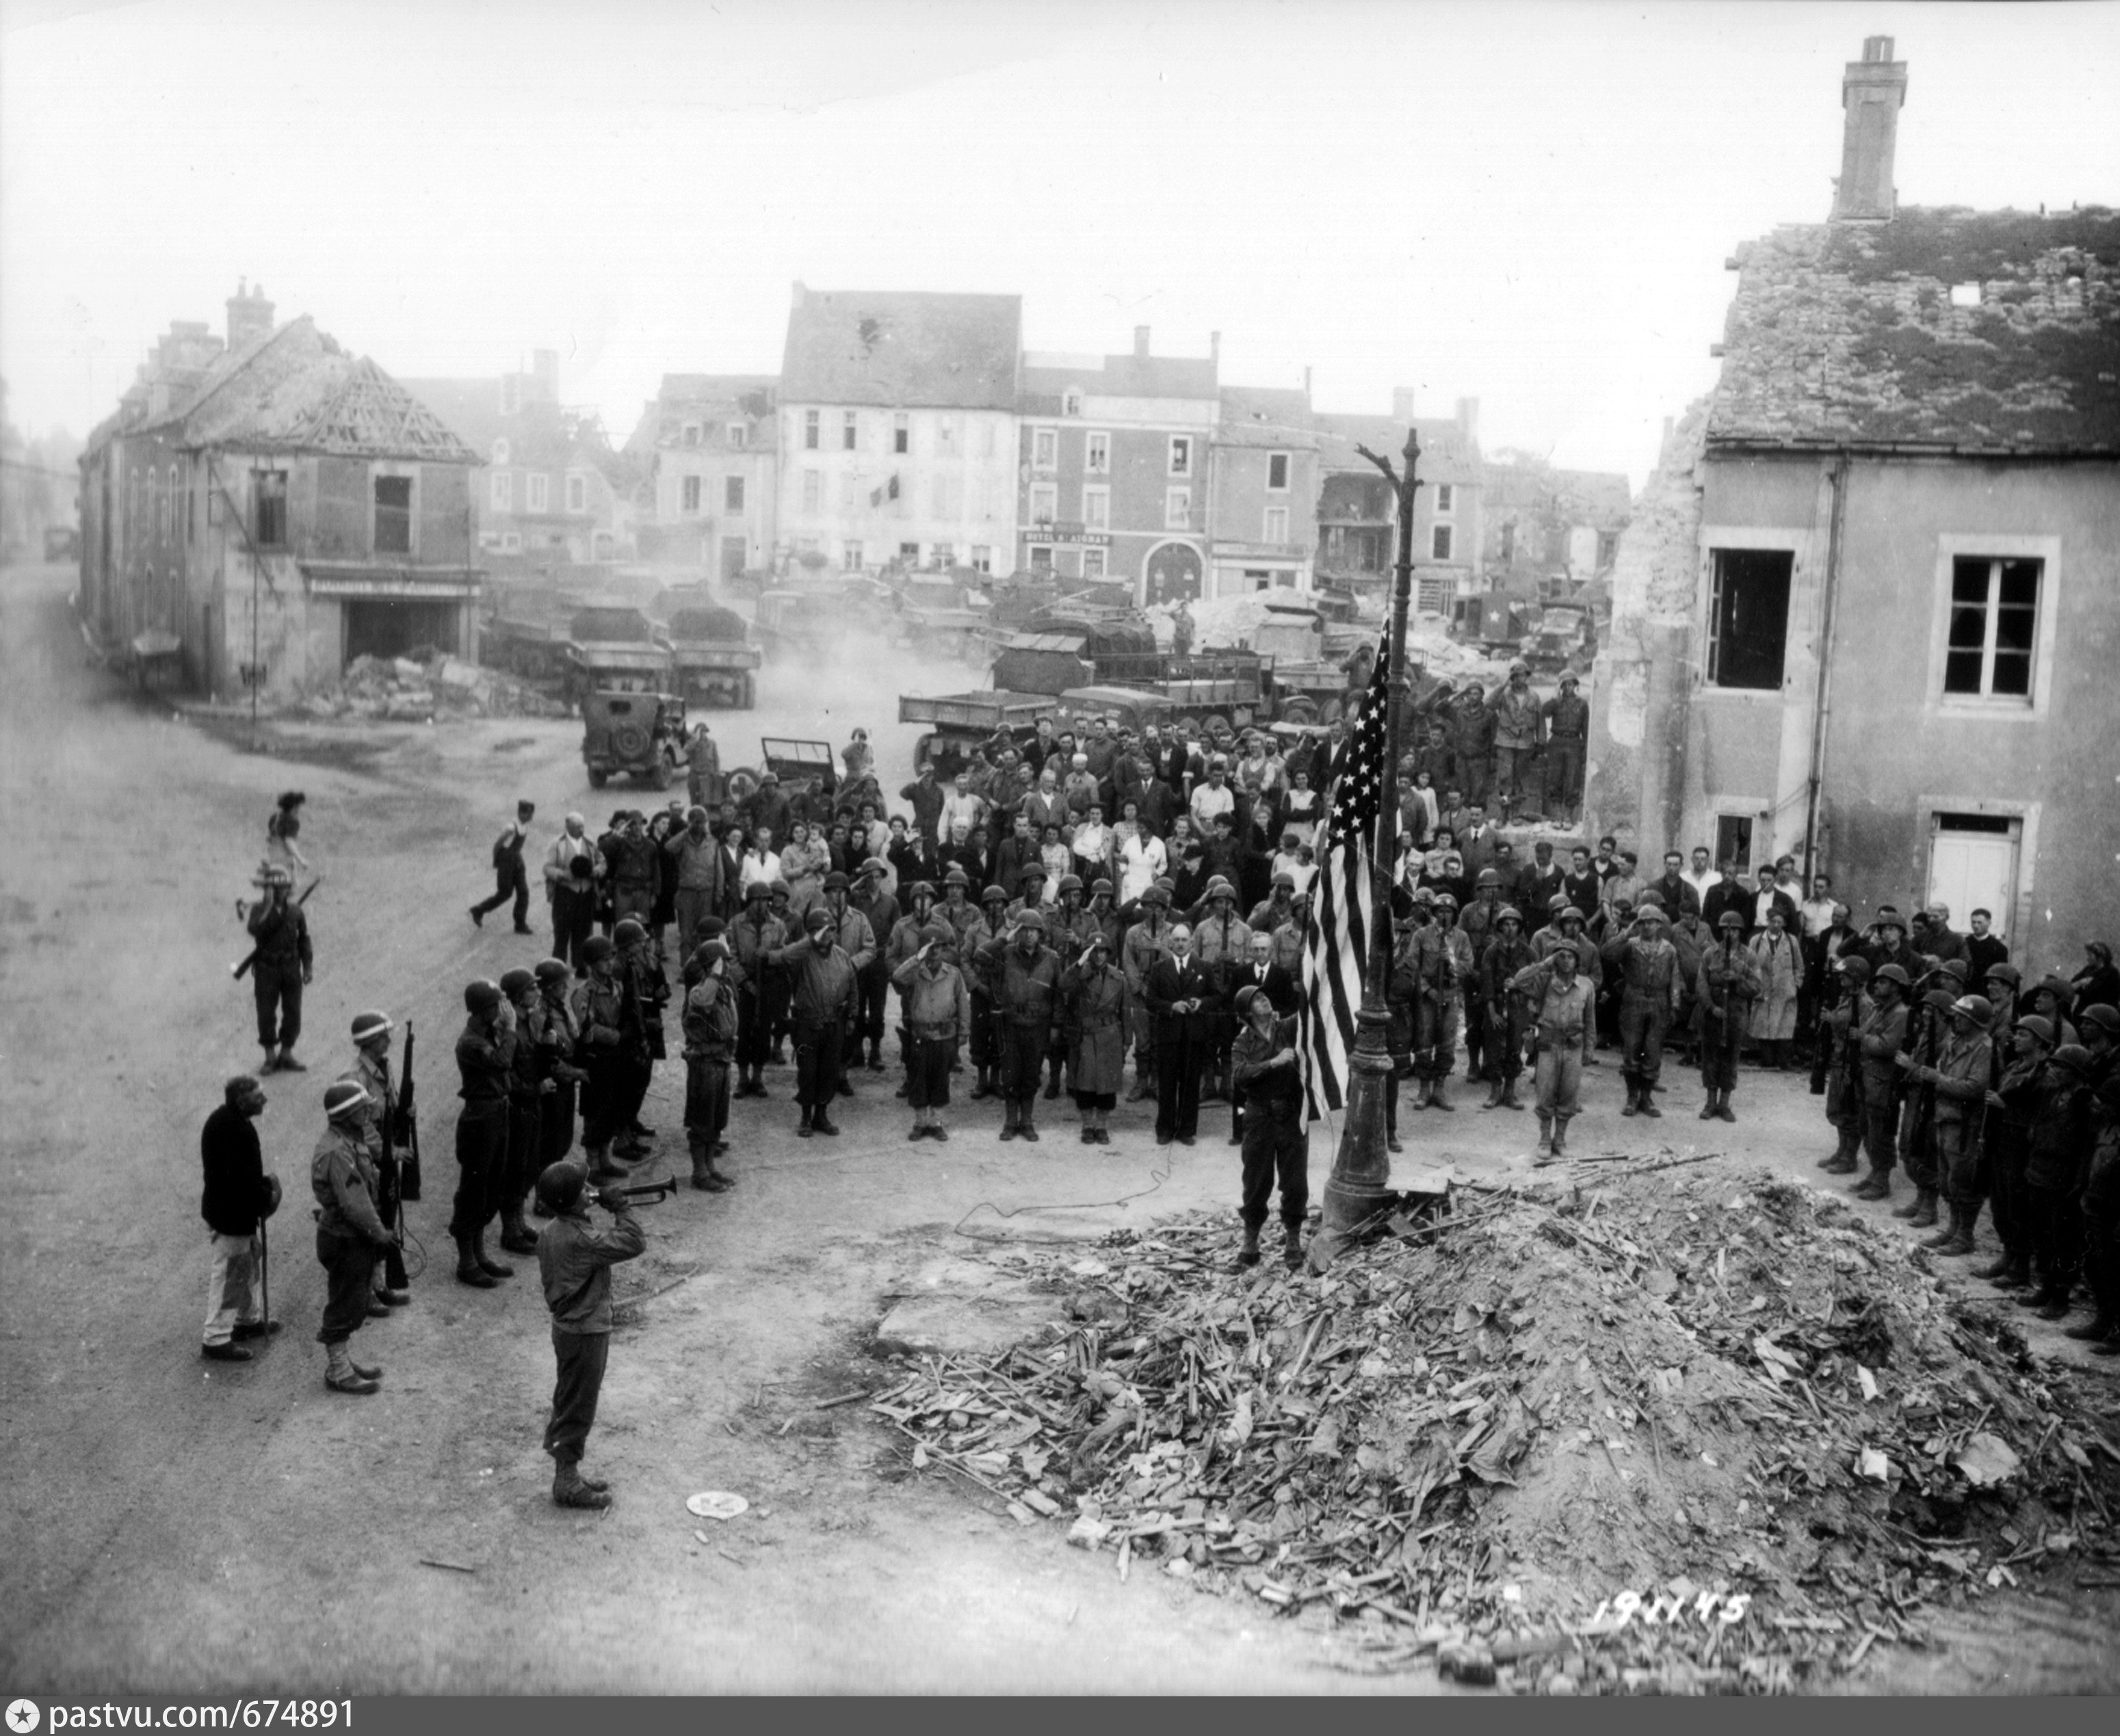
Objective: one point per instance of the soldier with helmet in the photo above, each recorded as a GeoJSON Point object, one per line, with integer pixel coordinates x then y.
{"type": "Point", "coordinates": [371, 1067]}
{"type": "Point", "coordinates": [1647, 963]}
{"type": "Point", "coordinates": [870, 902]}
{"type": "Point", "coordinates": [527, 1087]}
{"type": "Point", "coordinates": [2013, 1112]}
{"type": "Point", "coordinates": [574, 1263]}
{"type": "Point", "coordinates": [710, 1025]}
{"type": "Point", "coordinates": [1506, 955]}
{"type": "Point", "coordinates": [822, 978]}
{"type": "Point", "coordinates": [1879, 1038]}
{"type": "Point", "coordinates": [1222, 942]}
{"type": "Point", "coordinates": [282, 964]}
{"type": "Point", "coordinates": [1844, 1096]}
{"type": "Point", "coordinates": [604, 1033]}
{"type": "Point", "coordinates": [1960, 1076]}
{"type": "Point", "coordinates": [935, 1009]}
{"type": "Point", "coordinates": [351, 1236]}
{"type": "Point", "coordinates": [641, 976]}
{"type": "Point", "coordinates": [972, 939]}
{"type": "Point", "coordinates": [1557, 1001]}
{"type": "Point", "coordinates": [1442, 966]}
{"type": "Point", "coordinates": [1518, 726]}
{"type": "Point", "coordinates": [1145, 943]}
{"type": "Point", "coordinates": [486, 1058]}
{"type": "Point", "coordinates": [558, 1040]}
{"type": "Point", "coordinates": [1024, 976]}
{"type": "Point", "coordinates": [1566, 717]}
{"type": "Point", "coordinates": [1476, 921]}
{"type": "Point", "coordinates": [1727, 986]}
{"type": "Point", "coordinates": [757, 935]}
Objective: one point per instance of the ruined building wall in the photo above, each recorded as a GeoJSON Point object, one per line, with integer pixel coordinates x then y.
{"type": "Point", "coordinates": [1636, 778]}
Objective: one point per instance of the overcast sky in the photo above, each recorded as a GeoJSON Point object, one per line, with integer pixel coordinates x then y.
{"type": "Point", "coordinates": [1529, 204]}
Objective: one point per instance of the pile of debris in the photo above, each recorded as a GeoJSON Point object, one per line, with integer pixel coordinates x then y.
{"type": "Point", "coordinates": [1671, 1433]}
{"type": "Point", "coordinates": [427, 685]}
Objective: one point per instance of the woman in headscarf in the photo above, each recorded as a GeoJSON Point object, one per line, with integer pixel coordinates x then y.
{"type": "Point", "coordinates": [2098, 983]}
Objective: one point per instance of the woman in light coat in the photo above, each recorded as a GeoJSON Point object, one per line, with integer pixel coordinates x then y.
{"type": "Point", "coordinates": [803, 865]}
{"type": "Point", "coordinates": [1098, 1006]}
{"type": "Point", "coordinates": [1781, 974]}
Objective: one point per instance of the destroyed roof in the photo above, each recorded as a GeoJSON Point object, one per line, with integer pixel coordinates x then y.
{"type": "Point", "coordinates": [910, 348]}
{"type": "Point", "coordinates": [1447, 455]}
{"type": "Point", "coordinates": [1848, 335]}
{"type": "Point", "coordinates": [1127, 376]}
{"type": "Point", "coordinates": [1592, 497]}
{"type": "Point", "coordinates": [1265, 415]}
{"type": "Point", "coordinates": [295, 389]}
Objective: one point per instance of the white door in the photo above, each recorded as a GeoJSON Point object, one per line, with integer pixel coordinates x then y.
{"type": "Point", "coordinates": [1973, 870]}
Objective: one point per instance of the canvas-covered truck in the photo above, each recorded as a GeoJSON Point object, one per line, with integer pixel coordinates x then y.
{"type": "Point", "coordinates": [1566, 637]}
{"type": "Point", "coordinates": [614, 649]}
{"type": "Point", "coordinates": [957, 723]}
{"type": "Point", "coordinates": [715, 662]}
{"type": "Point", "coordinates": [1057, 657]}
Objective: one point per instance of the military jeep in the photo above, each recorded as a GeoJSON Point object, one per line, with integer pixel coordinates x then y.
{"type": "Point", "coordinates": [642, 734]}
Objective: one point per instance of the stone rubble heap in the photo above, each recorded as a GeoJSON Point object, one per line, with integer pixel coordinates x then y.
{"type": "Point", "coordinates": [426, 690]}
{"type": "Point", "coordinates": [1649, 1433]}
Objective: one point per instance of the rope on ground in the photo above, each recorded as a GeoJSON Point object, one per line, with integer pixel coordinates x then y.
{"type": "Point", "coordinates": [1157, 1177]}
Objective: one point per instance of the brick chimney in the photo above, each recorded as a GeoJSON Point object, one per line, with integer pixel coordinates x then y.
{"type": "Point", "coordinates": [249, 314]}
{"type": "Point", "coordinates": [1871, 92]}
{"type": "Point", "coordinates": [1403, 399]}
{"type": "Point", "coordinates": [1140, 343]}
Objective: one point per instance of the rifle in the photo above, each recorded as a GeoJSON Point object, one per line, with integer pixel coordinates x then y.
{"type": "Point", "coordinates": [405, 1129]}
{"type": "Point", "coordinates": [241, 969]}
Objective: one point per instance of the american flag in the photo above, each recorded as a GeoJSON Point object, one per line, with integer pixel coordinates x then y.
{"type": "Point", "coordinates": [1336, 950]}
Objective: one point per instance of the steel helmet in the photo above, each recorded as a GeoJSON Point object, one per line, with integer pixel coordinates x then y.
{"type": "Point", "coordinates": [367, 1025]}
{"type": "Point", "coordinates": [1977, 1008]}
{"type": "Point", "coordinates": [1509, 913]}
{"type": "Point", "coordinates": [481, 996]}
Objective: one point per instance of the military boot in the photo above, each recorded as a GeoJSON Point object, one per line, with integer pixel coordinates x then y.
{"type": "Point", "coordinates": [1877, 1184]}
{"type": "Point", "coordinates": [1633, 1099]}
{"type": "Point", "coordinates": [1494, 1094]}
{"type": "Point", "coordinates": [1559, 1149]}
{"type": "Point", "coordinates": [1922, 1217]}
{"type": "Point", "coordinates": [1509, 1098]}
{"type": "Point", "coordinates": [1024, 1130]}
{"type": "Point", "coordinates": [339, 1373]}
{"type": "Point", "coordinates": [1426, 1095]}
{"type": "Point", "coordinates": [469, 1271]}
{"type": "Point", "coordinates": [1545, 1137]}
{"type": "Point", "coordinates": [1249, 1254]}
{"type": "Point", "coordinates": [1053, 1085]}
{"type": "Point", "coordinates": [1008, 1118]}
{"type": "Point", "coordinates": [2000, 1268]}
{"type": "Point", "coordinates": [492, 1267]}
{"type": "Point", "coordinates": [1707, 1108]}
{"type": "Point", "coordinates": [1437, 1100]}
{"type": "Point", "coordinates": [1724, 1111]}
{"type": "Point", "coordinates": [1958, 1240]}
{"type": "Point", "coordinates": [1648, 1101]}
{"type": "Point", "coordinates": [1841, 1162]}
{"type": "Point", "coordinates": [516, 1236]}
{"type": "Point", "coordinates": [1291, 1246]}
{"type": "Point", "coordinates": [570, 1490]}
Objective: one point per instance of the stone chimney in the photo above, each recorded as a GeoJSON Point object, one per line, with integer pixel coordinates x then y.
{"type": "Point", "coordinates": [1140, 343]}
{"type": "Point", "coordinates": [249, 314]}
{"type": "Point", "coordinates": [1215, 348]}
{"type": "Point", "coordinates": [1468, 419]}
{"type": "Point", "coordinates": [1403, 399]}
{"type": "Point", "coordinates": [1306, 382]}
{"type": "Point", "coordinates": [1871, 92]}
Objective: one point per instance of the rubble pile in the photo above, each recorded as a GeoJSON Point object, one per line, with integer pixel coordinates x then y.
{"type": "Point", "coordinates": [421, 689]}
{"type": "Point", "coordinates": [1663, 1433]}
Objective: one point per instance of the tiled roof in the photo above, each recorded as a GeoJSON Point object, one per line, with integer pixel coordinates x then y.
{"type": "Point", "coordinates": [296, 388]}
{"type": "Point", "coordinates": [1265, 415]}
{"type": "Point", "coordinates": [1847, 334]}
{"type": "Point", "coordinates": [1446, 456]}
{"type": "Point", "coordinates": [1127, 376]}
{"type": "Point", "coordinates": [909, 349]}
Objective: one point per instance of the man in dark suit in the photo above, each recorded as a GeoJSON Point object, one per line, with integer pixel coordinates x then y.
{"type": "Point", "coordinates": [1767, 897]}
{"type": "Point", "coordinates": [1182, 1000]}
{"type": "Point", "coordinates": [1538, 880]}
{"type": "Point", "coordinates": [1676, 891]}
{"type": "Point", "coordinates": [1726, 894]}
{"type": "Point", "coordinates": [1018, 851]}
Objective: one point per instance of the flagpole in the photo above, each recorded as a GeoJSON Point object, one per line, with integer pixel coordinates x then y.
{"type": "Point", "coordinates": [1361, 1165]}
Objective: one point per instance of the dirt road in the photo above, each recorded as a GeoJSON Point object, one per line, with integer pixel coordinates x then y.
{"type": "Point", "coordinates": [181, 1524]}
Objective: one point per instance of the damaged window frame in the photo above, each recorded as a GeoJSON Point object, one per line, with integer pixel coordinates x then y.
{"type": "Point", "coordinates": [391, 523]}
{"type": "Point", "coordinates": [1737, 577]}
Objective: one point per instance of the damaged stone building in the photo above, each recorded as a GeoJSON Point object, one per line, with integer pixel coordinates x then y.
{"type": "Point", "coordinates": [1866, 608]}
{"type": "Point", "coordinates": [1358, 510]}
{"type": "Point", "coordinates": [277, 505]}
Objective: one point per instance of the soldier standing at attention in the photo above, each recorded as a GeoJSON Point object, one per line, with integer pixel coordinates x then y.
{"type": "Point", "coordinates": [574, 1261]}
{"type": "Point", "coordinates": [937, 1008]}
{"type": "Point", "coordinates": [350, 1234]}
{"type": "Point", "coordinates": [282, 965]}
{"type": "Point", "coordinates": [528, 1085]}
{"type": "Point", "coordinates": [1648, 968]}
{"type": "Point", "coordinates": [1505, 955]}
{"type": "Point", "coordinates": [602, 1029]}
{"type": "Point", "coordinates": [703, 773]}
{"type": "Point", "coordinates": [1567, 717]}
{"type": "Point", "coordinates": [486, 1055]}
{"type": "Point", "coordinates": [1098, 1002]}
{"type": "Point", "coordinates": [1517, 726]}
{"type": "Point", "coordinates": [1728, 984]}
{"type": "Point", "coordinates": [1839, 1019]}
{"type": "Point", "coordinates": [710, 1032]}
{"type": "Point", "coordinates": [371, 1067]}
{"type": "Point", "coordinates": [1559, 1001]}
{"type": "Point", "coordinates": [509, 878]}
{"type": "Point", "coordinates": [1276, 1148]}
{"type": "Point", "coordinates": [823, 1002]}
{"type": "Point", "coordinates": [557, 1040]}
{"type": "Point", "coordinates": [239, 1195]}
{"type": "Point", "coordinates": [1024, 973]}
{"type": "Point", "coordinates": [1878, 1038]}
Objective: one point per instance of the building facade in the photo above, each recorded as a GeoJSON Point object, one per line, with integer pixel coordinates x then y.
{"type": "Point", "coordinates": [1114, 454]}
{"type": "Point", "coordinates": [709, 443]}
{"type": "Point", "coordinates": [1549, 532]}
{"type": "Point", "coordinates": [1865, 613]}
{"type": "Point", "coordinates": [897, 429]}
{"type": "Point", "coordinates": [1358, 511]}
{"type": "Point", "coordinates": [1262, 505]}
{"type": "Point", "coordinates": [278, 506]}
{"type": "Point", "coordinates": [550, 490]}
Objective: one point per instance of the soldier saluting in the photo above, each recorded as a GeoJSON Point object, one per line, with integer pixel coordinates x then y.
{"type": "Point", "coordinates": [280, 965]}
